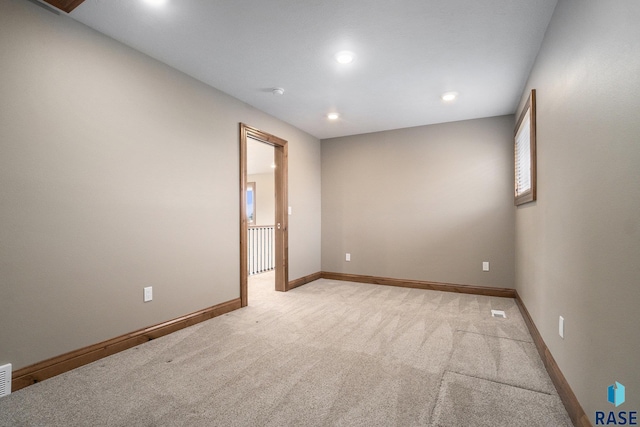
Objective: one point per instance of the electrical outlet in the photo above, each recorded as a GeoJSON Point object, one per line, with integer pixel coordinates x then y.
{"type": "Point", "coordinates": [561, 327]}
{"type": "Point", "coordinates": [485, 266]}
{"type": "Point", "coordinates": [347, 257]}
{"type": "Point", "coordinates": [148, 293]}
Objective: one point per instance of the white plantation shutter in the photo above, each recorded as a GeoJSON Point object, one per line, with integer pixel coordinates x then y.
{"type": "Point", "coordinates": [523, 156]}
{"type": "Point", "coordinates": [524, 147]}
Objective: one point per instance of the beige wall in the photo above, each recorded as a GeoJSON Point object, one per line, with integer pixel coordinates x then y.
{"type": "Point", "coordinates": [118, 172]}
{"type": "Point", "coordinates": [578, 246]}
{"type": "Point", "coordinates": [426, 203]}
{"type": "Point", "coordinates": [265, 198]}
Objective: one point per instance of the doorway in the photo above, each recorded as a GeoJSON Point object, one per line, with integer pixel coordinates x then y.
{"type": "Point", "coordinates": [248, 213]}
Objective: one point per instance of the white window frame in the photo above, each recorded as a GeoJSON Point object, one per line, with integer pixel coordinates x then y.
{"type": "Point", "coordinates": [524, 148]}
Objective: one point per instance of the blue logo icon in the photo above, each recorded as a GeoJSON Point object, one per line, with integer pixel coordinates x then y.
{"type": "Point", "coordinates": [615, 394]}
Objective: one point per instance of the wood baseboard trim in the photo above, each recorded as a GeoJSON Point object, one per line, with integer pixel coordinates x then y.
{"type": "Point", "coordinates": [303, 280]}
{"type": "Point", "coordinates": [569, 399]}
{"type": "Point", "coordinates": [419, 284]}
{"type": "Point", "coordinates": [41, 371]}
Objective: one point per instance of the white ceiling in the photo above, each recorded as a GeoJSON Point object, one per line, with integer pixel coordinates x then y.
{"type": "Point", "coordinates": [408, 52]}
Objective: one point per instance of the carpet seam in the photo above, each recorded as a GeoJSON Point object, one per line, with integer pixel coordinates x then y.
{"type": "Point", "coordinates": [493, 336]}
{"type": "Point", "coordinates": [499, 382]}
{"type": "Point", "coordinates": [439, 395]}
{"type": "Point", "coordinates": [444, 371]}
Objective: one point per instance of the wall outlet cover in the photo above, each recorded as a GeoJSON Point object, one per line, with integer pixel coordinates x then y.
{"type": "Point", "coordinates": [148, 294]}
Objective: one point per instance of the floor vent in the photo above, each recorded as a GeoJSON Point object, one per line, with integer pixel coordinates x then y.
{"type": "Point", "coordinates": [5, 380]}
{"type": "Point", "coordinates": [498, 313]}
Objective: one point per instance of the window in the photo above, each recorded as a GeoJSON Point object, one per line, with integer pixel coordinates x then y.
{"type": "Point", "coordinates": [251, 203]}
{"type": "Point", "coordinates": [525, 153]}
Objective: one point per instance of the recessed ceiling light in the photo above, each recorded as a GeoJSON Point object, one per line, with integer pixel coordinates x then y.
{"type": "Point", "coordinates": [344, 57]}
{"type": "Point", "coordinates": [449, 96]}
{"type": "Point", "coordinates": [155, 2]}
{"type": "Point", "coordinates": [333, 116]}
{"type": "Point", "coordinates": [278, 91]}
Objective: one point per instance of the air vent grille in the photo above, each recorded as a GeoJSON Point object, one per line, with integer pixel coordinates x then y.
{"type": "Point", "coordinates": [498, 313]}
{"type": "Point", "coordinates": [5, 380]}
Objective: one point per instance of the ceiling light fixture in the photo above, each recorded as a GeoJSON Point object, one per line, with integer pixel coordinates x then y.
{"type": "Point", "coordinates": [333, 116]}
{"type": "Point", "coordinates": [449, 96]}
{"type": "Point", "coordinates": [155, 2]}
{"type": "Point", "coordinates": [278, 91]}
{"type": "Point", "coordinates": [344, 57]}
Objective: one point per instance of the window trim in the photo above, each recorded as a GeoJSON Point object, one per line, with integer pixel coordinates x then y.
{"type": "Point", "coordinates": [531, 194]}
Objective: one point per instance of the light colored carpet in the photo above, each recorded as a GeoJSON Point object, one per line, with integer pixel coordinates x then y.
{"type": "Point", "coordinates": [469, 401]}
{"type": "Point", "coordinates": [327, 353]}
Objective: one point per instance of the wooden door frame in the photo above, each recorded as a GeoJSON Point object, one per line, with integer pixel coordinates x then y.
{"type": "Point", "coordinates": [281, 215]}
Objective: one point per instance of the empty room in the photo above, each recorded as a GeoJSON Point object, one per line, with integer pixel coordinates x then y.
{"type": "Point", "coordinates": [275, 213]}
